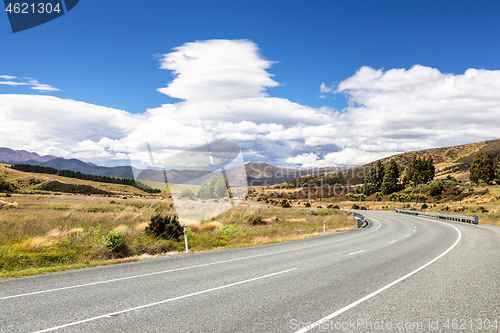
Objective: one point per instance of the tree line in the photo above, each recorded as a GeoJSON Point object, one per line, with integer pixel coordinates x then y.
{"type": "Point", "coordinates": [386, 179]}
{"type": "Point", "coordinates": [484, 170]}
{"type": "Point", "coordinates": [82, 176]}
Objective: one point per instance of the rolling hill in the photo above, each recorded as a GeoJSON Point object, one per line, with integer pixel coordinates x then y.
{"type": "Point", "coordinates": [453, 161]}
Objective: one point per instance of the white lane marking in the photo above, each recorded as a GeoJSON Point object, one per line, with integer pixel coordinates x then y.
{"type": "Point", "coordinates": [376, 292]}
{"type": "Point", "coordinates": [350, 254]}
{"type": "Point", "coordinates": [408, 235]}
{"type": "Point", "coordinates": [393, 241]}
{"type": "Point", "coordinates": [163, 302]}
{"type": "Point", "coordinates": [184, 268]}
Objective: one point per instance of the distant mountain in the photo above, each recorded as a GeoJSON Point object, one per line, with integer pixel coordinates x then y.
{"type": "Point", "coordinates": [22, 156]}
{"type": "Point", "coordinates": [253, 173]}
{"type": "Point", "coordinates": [258, 174]}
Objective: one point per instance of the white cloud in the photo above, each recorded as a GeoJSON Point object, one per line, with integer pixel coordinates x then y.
{"type": "Point", "coordinates": [7, 77]}
{"type": "Point", "coordinates": [12, 83]}
{"type": "Point", "coordinates": [217, 70]}
{"type": "Point", "coordinates": [223, 84]}
{"type": "Point", "coordinates": [42, 87]}
{"type": "Point", "coordinates": [35, 85]}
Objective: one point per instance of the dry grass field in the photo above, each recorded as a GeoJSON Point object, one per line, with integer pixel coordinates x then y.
{"type": "Point", "coordinates": [50, 232]}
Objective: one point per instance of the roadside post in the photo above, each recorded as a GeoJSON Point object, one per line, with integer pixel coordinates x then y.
{"type": "Point", "coordinates": [324, 226]}
{"type": "Point", "coordinates": [186, 239]}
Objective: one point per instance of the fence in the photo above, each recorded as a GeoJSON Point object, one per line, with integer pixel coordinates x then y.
{"type": "Point", "coordinates": [458, 218]}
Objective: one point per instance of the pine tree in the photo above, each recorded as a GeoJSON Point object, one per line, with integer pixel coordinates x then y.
{"type": "Point", "coordinates": [429, 171]}
{"type": "Point", "coordinates": [375, 175]}
{"type": "Point", "coordinates": [482, 169]}
{"type": "Point", "coordinates": [390, 181]}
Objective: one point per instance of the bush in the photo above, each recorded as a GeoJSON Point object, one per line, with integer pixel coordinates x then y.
{"type": "Point", "coordinates": [187, 194]}
{"type": "Point", "coordinates": [6, 187]}
{"type": "Point", "coordinates": [482, 209]}
{"type": "Point", "coordinates": [256, 220]}
{"type": "Point", "coordinates": [355, 206]}
{"type": "Point", "coordinates": [285, 204]}
{"type": "Point", "coordinates": [425, 206]}
{"type": "Point", "coordinates": [308, 204]}
{"type": "Point", "coordinates": [114, 240]}
{"type": "Point", "coordinates": [164, 227]}
{"type": "Point", "coordinates": [436, 189]}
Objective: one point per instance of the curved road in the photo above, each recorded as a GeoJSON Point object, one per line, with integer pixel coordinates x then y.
{"type": "Point", "coordinates": [400, 274]}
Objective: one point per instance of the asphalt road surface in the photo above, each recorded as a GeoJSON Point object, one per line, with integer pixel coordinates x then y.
{"type": "Point", "coordinates": [400, 274]}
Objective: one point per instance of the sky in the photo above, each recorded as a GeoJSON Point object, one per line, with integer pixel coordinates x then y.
{"type": "Point", "coordinates": [294, 83]}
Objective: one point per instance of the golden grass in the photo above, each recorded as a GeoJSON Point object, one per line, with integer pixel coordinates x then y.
{"type": "Point", "coordinates": [44, 233]}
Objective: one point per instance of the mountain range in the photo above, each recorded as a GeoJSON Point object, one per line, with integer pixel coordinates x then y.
{"type": "Point", "coordinates": [254, 173]}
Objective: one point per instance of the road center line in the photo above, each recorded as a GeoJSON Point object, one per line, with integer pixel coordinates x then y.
{"type": "Point", "coordinates": [350, 254]}
{"type": "Point", "coordinates": [184, 268]}
{"type": "Point", "coordinates": [163, 302]}
{"type": "Point", "coordinates": [393, 241]}
{"type": "Point", "coordinates": [378, 291]}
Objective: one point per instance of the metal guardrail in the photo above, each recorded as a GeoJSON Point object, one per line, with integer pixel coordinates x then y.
{"type": "Point", "coordinates": [360, 218]}
{"type": "Point", "coordinates": [458, 218]}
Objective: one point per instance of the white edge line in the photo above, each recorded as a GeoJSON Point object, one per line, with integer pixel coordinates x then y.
{"type": "Point", "coordinates": [376, 292]}
{"type": "Point", "coordinates": [184, 268]}
{"type": "Point", "coordinates": [393, 241]}
{"type": "Point", "coordinates": [162, 302]}
{"type": "Point", "coordinates": [408, 235]}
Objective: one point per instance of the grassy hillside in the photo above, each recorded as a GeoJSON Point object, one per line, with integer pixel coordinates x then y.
{"type": "Point", "coordinates": [454, 161]}
{"type": "Point", "coordinates": [449, 161]}
{"type": "Point", "coordinates": [27, 181]}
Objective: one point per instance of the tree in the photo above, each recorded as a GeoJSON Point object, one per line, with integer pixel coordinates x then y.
{"type": "Point", "coordinates": [497, 175]}
{"type": "Point", "coordinates": [375, 177]}
{"type": "Point", "coordinates": [436, 189]}
{"type": "Point", "coordinates": [429, 171]}
{"type": "Point", "coordinates": [215, 187]}
{"type": "Point", "coordinates": [419, 170]}
{"type": "Point", "coordinates": [482, 169]}
{"type": "Point", "coordinates": [391, 175]}
{"type": "Point", "coordinates": [6, 187]}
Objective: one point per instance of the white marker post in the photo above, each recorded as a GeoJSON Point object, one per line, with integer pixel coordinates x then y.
{"type": "Point", "coordinates": [186, 240]}
{"type": "Point", "coordinates": [324, 226]}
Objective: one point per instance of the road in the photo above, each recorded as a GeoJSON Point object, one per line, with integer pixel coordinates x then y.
{"type": "Point", "coordinates": [401, 269]}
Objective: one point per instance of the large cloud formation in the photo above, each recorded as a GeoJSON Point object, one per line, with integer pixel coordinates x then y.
{"type": "Point", "coordinates": [223, 86]}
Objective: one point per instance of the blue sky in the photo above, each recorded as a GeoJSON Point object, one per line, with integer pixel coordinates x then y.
{"type": "Point", "coordinates": [109, 53]}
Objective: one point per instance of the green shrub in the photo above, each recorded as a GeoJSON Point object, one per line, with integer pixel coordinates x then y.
{"type": "Point", "coordinates": [355, 206]}
{"type": "Point", "coordinates": [436, 189]}
{"type": "Point", "coordinates": [425, 206]}
{"type": "Point", "coordinates": [187, 193]}
{"type": "Point", "coordinates": [164, 227]}
{"type": "Point", "coordinates": [114, 240]}
{"type": "Point", "coordinates": [308, 204]}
